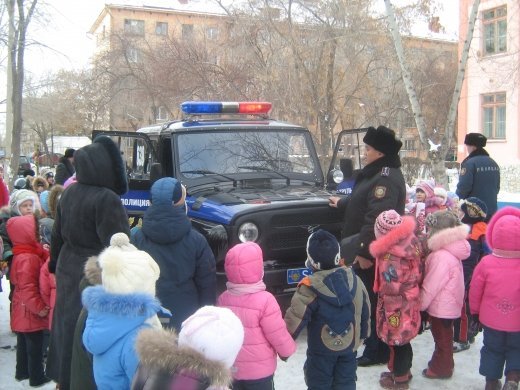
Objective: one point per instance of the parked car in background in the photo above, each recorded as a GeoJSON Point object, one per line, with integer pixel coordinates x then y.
{"type": "Point", "coordinates": [24, 164]}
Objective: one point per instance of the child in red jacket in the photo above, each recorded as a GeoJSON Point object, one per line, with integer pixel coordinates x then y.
{"type": "Point", "coordinates": [29, 312]}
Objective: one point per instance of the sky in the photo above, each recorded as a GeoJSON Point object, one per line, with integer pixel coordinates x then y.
{"type": "Point", "coordinates": [66, 44]}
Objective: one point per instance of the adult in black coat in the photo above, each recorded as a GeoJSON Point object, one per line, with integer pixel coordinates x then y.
{"type": "Point", "coordinates": [479, 174]}
{"type": "Point", "coordinates": [88, 214]}
{"type": "Point", "coordinates": [188, 276]}
{"type": "Point", "coordinates": [65, 168]}
{"type": "Point", "coordinates": [380, 186]}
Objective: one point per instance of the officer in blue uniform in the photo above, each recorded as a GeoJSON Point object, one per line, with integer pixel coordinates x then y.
{"type": "Point", "coordinates": [479, 174]}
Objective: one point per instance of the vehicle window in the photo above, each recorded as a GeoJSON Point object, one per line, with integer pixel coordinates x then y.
{"type": "Point", "coordinates": [136, 156]}
{"type": "Point", "coordinates": [351, 147]}
{"type": "Point", "coordinates": [242, 151]}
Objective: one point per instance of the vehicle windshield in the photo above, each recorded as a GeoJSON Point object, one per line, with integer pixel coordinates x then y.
{"type": "Point", "coordinates": [226, 153]}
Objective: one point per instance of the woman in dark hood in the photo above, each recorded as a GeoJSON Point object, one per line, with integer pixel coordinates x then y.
{"type": "Point", "coordinates": [88, 214]}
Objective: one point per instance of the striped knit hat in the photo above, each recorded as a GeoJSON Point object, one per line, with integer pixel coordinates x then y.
{"type": "Point", "coordinates": [386, 221]}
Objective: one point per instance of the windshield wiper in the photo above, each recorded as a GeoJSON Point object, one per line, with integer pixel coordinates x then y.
{"type": "Point", "coordinates": [205, 172]}
{"type": "Point", "coordinates": [256, 168]}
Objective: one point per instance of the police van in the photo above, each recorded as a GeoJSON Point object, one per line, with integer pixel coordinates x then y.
{"type": "Point", "coordinates": [248, 178]}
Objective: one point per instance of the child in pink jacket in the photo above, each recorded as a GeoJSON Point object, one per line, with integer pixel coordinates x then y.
{"type": "Point", "coordinates": [266, 335]}
{"type": "Point", "coordinates": [494, 300]}
{"type": "Point", "coordinates": [442, 291]}
{"type": "Point", "coordinates": [398, 274]}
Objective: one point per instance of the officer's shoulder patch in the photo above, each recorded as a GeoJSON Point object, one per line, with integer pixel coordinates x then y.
{"type": "Point", "coordinates": [385, 171]}
{"type": "Point", "coordinates": [379, 192]}
{"type": "Point", "coordinates": [462, 171]}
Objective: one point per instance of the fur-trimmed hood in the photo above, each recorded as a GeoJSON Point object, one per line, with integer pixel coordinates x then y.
{"type": "Point", "coordinates": [110, 316]}
{"type": "Point", "coordinates": [452, 239]}
{"type": "Point", "coordinates": [54, 197]}
{"type": "Point", "coordinates": [39, 181]}
{"type": "Point", "coordinates": [396, 240]}
{"type": "Point", "coordinates": [159, 353]}
{"type": "Point", "coordinates": [100, 164]}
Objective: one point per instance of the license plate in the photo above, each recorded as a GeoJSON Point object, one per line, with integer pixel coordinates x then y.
{"type": "Point", "coordinates": [295, 275]}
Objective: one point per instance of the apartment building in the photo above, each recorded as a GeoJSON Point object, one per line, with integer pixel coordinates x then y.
{"type": "Point", "coordinates": [140, 26]}
{"type": "Point", "coordinates": [143, 25]}
{"type": "Point", "coordinates": [490, 95]}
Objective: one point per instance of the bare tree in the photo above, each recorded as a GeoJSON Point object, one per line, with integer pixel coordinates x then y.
{"type": "Point", "coordinates": [437, 155]}
{"type": "Point", "coordinates": [20, 13]}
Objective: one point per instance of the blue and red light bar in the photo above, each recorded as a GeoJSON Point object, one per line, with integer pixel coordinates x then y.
{"type": "Point", "coordinates": [247, 108]}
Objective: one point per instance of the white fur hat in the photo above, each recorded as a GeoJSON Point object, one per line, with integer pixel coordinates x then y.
{"type": "Point", "coordinates": [442, 194]}
{"type": "Point", "coordinates": [215, 332]}
{"type": "Point", "coordinates": [125, 269]}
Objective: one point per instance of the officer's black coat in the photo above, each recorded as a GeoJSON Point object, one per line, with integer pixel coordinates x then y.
{"type": "Point", "coordinates": [380, 186]}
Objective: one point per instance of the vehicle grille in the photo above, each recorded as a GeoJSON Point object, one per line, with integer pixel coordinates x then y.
{"type": "Point", "coordinates": [284, 233]}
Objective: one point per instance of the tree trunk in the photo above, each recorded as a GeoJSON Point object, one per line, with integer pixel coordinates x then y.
{"type": "Point", "coordinates": [19, 23]}
{"type": "Point", "coordinates": [436, 157]}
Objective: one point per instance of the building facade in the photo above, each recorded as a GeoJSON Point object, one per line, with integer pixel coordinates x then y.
{"type": "Point", "coordinates": [490, 95]}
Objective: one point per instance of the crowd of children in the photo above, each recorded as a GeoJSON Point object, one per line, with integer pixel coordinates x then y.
{"type": "Point", "coordinates": [440, 263]}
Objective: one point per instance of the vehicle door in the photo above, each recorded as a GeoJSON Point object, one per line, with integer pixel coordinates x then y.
{"type": "Point", "coordinates": [138, 153]}
{"type": "Point", "coordinates": [347, 160]}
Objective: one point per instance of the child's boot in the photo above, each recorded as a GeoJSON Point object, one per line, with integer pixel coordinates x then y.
{"type": "Point", "coordinates": [512, 380]}
{"type": "Point", "coordinates": [393, 382]}
{"type": "Point", "coordinates": [493, 384]}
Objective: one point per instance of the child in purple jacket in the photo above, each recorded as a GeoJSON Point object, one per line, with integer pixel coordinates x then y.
{"type": "Point", "coordinates": [266, 335]}
{"type": "Point", "coordinates": [494, 300]}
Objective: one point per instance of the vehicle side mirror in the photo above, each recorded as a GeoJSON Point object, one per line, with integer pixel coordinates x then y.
{"type": "Point", "coordinates": [155, 172]}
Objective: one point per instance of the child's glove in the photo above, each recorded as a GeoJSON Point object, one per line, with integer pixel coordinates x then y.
{"type": "Point", "coordinates": [43, 312]}
{"type": "Point", "coordinates": [425, 322]}
{"type": "Point", "coordinates": [474, 326]}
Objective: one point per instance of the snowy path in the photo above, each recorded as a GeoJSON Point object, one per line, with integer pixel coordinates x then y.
{"type": "Point", "coordinates": [289, 375]}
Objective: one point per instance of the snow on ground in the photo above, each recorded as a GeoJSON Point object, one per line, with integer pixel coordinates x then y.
{"type": "Point", "coordinates": [289, 375]}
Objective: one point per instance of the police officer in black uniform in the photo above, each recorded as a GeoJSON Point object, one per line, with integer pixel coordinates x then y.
{"type": "Point", "coordinates": [380, 186]}
{"type": "Point", "coordinates": [479, 174]}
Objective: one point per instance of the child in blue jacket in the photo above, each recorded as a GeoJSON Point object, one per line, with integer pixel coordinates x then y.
{"type": "Point", "coordinates": [334, 306]}
{"type": "Point", "coordinates": [118, 309]}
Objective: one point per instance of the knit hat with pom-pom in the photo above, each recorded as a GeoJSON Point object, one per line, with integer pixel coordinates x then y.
{"type": "Point", "coordinates": [386, 221]}
{"type": "Point", "coordinates": [323, 251]}
{"type": "Point", "coordinates": [125, 269]}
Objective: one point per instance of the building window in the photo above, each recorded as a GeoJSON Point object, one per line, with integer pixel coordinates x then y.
{"type": "Point", "coordinates": [133, 54]}
{"type": "Point", "coordinates": [161, 28]}
{"type": "Point", "coordinates": [212, 32]}
{"type": "Point", "coordinates": [495, 30]}
{"type": "Point", "coordinates": [187, 31]}
{"type": "Point", "coordinates": [494, 115]}
{"type": "Point", "coordinates": [409, 144]}
{"type": "Point", "coordinates": [161, 114]}
{"type": "Point", "coordinates": [134, 26]}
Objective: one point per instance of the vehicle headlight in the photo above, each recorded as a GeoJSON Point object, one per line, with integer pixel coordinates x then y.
{"type": "Point", "coordinates": [337, 176]}
{"type": "Point", "coordinates": [248, 232]}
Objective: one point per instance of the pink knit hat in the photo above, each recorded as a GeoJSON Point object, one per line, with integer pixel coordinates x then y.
{"type": "Point", "coordinates": [386, 221]}
{"type": "Point", "coordinates": [426, 186]}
